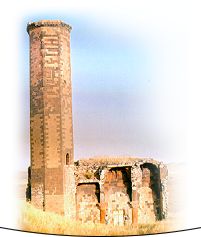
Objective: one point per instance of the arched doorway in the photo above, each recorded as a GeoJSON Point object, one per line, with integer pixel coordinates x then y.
{"type": "Point", "coordinates": [87, 200]}
{"type": "Point", "coordinates": [149, 194]}
{"type": "Point", "coordinates": [118, 195]}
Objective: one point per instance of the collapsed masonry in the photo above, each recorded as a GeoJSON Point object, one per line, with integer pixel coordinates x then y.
{"type": "Point", "coordinates": [113, 191]}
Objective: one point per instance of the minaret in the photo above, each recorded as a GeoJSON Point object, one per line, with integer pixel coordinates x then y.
{"type": "Point", "coordinates": [51, 130]}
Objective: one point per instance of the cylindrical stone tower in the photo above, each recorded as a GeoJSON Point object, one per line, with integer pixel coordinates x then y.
{"type": "Point", "coordinates": [51, 130]}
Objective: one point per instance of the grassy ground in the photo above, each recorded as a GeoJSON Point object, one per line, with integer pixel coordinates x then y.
{"type": "Point", "coordinates": [34, 220]}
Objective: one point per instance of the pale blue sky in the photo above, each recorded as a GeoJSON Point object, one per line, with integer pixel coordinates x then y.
{"type": "Point", "coordinates": [122, 80]}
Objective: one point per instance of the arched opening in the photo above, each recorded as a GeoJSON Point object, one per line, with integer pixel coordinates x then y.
{"type": "Point", "coordinates": [118, 195]}
{"type": "Point", "coordinates": [28, 188]}
{"type": "Point", "coordinates": [67, 159]}
{"type": "Point", "coordinates": [88, 199]}
{"type": "Point", "coordinates": [149, 198]}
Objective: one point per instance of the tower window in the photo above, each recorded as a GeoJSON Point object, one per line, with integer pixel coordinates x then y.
{"type": "Point", "coordinates": [67, 159]}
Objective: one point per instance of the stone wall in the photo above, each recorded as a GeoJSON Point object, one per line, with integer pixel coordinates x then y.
{"type": "Point", "coordinates": [149, 195]}
{"type": "Point", "coordinates": [164, 190]}
{"type": "Point", "coordinates": [69, 192]}
{"type": "Point", "coordinates": [117, 190]}
{"type": "Point", "coordinates": [131, 191]}
{"type": "Point", "coordinates": [88, 196]}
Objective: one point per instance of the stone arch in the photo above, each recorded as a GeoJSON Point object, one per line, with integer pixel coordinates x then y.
{"type": "Point", "coordinates": [149, 194]}
{"type": "Point", "coordinates": [118, 195]}
{"type": "Point", "coordinates": [87, 202]}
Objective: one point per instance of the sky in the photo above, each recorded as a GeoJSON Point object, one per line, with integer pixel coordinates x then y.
{"type": "Point", "coordinates": [131, 78]}
{"type": "Point", "coordinates": [135, 80]}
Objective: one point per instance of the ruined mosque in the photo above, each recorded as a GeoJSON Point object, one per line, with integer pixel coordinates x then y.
{"type": "Point", "coordinates": [112, 191]}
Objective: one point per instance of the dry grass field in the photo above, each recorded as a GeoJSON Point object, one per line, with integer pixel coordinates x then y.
{"type": "Point", "coordinates": [35, 220]}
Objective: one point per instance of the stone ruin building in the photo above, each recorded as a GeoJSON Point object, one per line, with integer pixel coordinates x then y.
{"type": "Point", "coordinates": [112, 191]}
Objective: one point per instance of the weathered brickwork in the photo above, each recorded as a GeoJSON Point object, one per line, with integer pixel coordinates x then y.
{"type": "Point", "coordinates": [130, 190]}
{"type": "Point", "coordinates": [116, 191]}
{"type": "Point", "coordinates": [88, 196]}
{"type": "Point", "coordinates": [51, 112]}
{"type": "Point", "coordinates": [69, 192]}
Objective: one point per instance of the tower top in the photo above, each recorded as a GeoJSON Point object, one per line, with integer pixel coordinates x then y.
{"type": "Point", "coordinates": [47, 23]}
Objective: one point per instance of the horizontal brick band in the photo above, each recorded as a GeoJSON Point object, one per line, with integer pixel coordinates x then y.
{"type": "Point", "coordinates": [47, 23]}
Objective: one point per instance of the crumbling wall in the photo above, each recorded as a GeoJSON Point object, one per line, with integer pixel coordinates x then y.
{"type": "Point", "coordinates": [164, 190]}
{"type": "Point", "coordinates": [117, 190]}
{"type": "Point", "coordinates": [69, 192]}
{"type": "Point", "coordinates": [149, 195]}
{"type": "Point", "coordinates": [88, 198]}
{"type": "Point", "coordinates": [130, 191]}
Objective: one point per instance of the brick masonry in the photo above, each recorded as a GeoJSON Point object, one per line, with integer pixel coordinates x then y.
{"type": "Point", "coordinates": [129, 190]}
{"type": "Point", "coordinates": [51, 112]}
{"type": "Point", "coordinates": [113, 191]}
{"type": "Point", "coordinates": [87, 202]}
